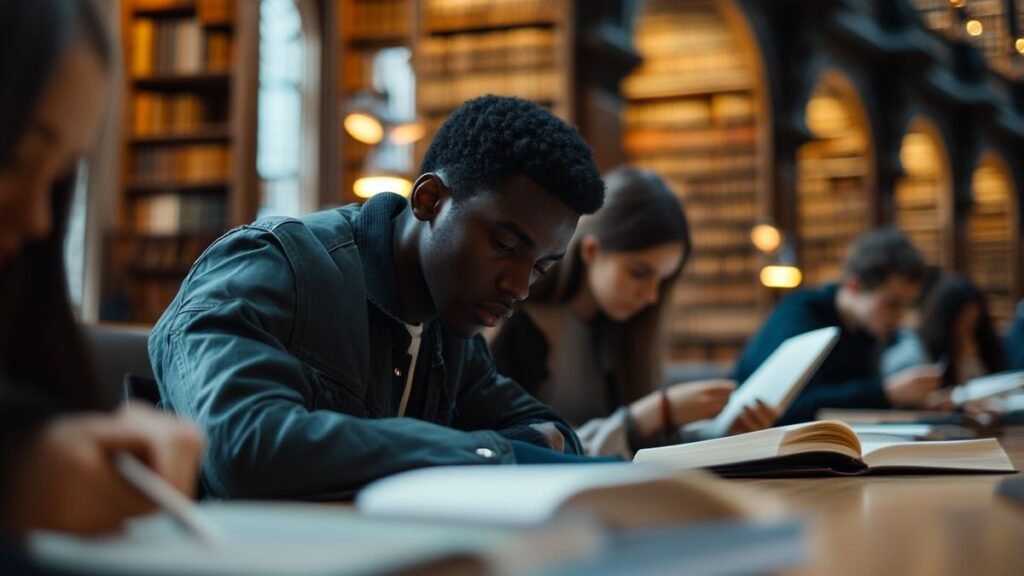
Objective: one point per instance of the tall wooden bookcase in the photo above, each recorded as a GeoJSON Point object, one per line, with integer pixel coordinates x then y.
{"type": "Point", "coordinates": [188, 145]}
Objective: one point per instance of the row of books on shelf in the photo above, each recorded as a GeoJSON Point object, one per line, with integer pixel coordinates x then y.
{"type": "Point", "coordinates": [638, 86]}
{"type": "Point", "coordinates": [693, 63]}
{"type": "Point", "coordinates": [914, 193]}
{"type": "Point", "coordinates": [838, 230]}
{"type": "Point", "coordinates": [148, 297]}
{"type": "Point", "coordinates": [918, 220]}
{"type": "Point", "coordinates": [156, 113]}
{"type": "Point", "coordinates": [731, 294]}
{"type": "Point", "coordinates": [839, 206]}
{"type": "Point", "coordinates": [180, 46]}
{"type": "Point", "coordinates": [175, 214]}
{"type": "Point", "coordinates": [532, 48]}
{"type": "Point", "coordinates": [992, 279]}
{"type": "Point", "coordinates": [218, 12]}
{"type": "Point", "coordinates": [831, 167]}
{"type": "Point", "coordinates": [849, 142]}
{"type": "Point", "coordinates": [726, 163]}
{"type": "Point", "coordinates": [453, 15]}
{"type": "Point", "coordinates": [380, 18]}
{"type": "Point", "coordinates": [716, 323]}
{"type": "Point", "coordinates": [702, 214]}
{"type": "Point", "coordinates": [841, 191]}
{"type": "Point", "coordinates": [537, 85]}
{"type": "Point", "coordinates": [738, 188]}
{"type": "Point", "coordinates": [168, 256]}
{"type": "Point", "coordinates": [714, 238]}
{"type": "Point", "coordinates": [193, 163]}
{"type": "Point", "coordinates": [211, 12]}
{"type": "Point", "coordinates": [669, 140]}
{"type": "Point", "coordinates": [722, 108]}
{"type": "Point", "coordinates": [744, 260]}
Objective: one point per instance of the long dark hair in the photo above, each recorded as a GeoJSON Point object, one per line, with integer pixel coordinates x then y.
{"type": "Point", "coordinates": [640, 212]}
{"type": "Point", "coordinates": [945, 303]}
{"type": "Point", "coordinates": [40, 343]}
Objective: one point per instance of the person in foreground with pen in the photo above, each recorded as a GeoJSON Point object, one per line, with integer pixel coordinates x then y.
{"type": "Point", "coordinates": [58, 436]}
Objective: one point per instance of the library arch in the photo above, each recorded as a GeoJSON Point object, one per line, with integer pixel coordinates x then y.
{"type": "Point", "coordinates": [693, 115]}
{"type": "Point", "coordinates": [834, 177]}
{"type": "Point", "coordinates": [922, 198]}
{"type": "Point", "coordinates": [991, 232]}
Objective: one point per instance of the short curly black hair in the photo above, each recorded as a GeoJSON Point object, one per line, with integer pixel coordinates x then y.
{"type": "Point", "coordinates": [489, 139]}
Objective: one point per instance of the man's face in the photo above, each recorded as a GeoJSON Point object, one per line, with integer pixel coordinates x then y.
{"type": "Point", "coordinates": [482, 253]}
{"type": "Point", "coordinates": [880, 311]}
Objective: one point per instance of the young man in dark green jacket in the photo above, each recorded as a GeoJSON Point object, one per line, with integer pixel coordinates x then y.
{"type": "Point", "coordinates": [321, 353]}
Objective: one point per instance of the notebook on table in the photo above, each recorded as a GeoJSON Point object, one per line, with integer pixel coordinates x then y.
{"type": "Point", "coordinates": [312, 540]}
{"type": "Point", "coordinates": [828, 447]}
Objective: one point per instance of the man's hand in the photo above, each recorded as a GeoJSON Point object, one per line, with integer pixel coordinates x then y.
{"type": "Point", "coordinates": [912, 387]}
{"type": "Point", "coordinates": [759, 416]}
{"type": "Point", "coordinates": [553, 436]}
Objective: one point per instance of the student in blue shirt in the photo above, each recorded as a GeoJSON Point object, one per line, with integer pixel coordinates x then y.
{"type": "Point", "coordinates": [1015, 340]}
{"type": "Point", "coordinates": [57, 432]}
{"type": "Point", "coordinates": [882, 276]}
{"type": "Point", "coordinates": [322, 353]}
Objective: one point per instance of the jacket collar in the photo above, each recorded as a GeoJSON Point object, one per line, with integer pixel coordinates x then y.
{"type": "Point", "coordinates": [374, 233]}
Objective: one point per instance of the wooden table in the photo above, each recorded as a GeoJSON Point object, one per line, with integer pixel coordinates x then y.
{"type": "Point", "coordinates": [909, 525]}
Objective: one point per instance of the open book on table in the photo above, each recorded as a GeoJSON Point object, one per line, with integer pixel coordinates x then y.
{"type": "Point", "coordinates": [619, 495]}
{"type": "Point", "coordinates": [828, 447]}
{"type": "Point", "coordinates": [776, 382]}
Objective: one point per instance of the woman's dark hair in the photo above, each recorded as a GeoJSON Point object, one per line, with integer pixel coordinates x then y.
{"type": "Point", "coordinates": [950, 297]}
{"type": "Point", "coordinates": [40, 343]}
{"type": "Point", "coordinates": [640, 212]}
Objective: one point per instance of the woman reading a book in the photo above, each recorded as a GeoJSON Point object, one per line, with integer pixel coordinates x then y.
{"type": "Point", "coordinates": [58, 436]}
{"type": "Point", "coordinates": [956, 331]}
{"type": "Point", "coordinates": [587, 340]}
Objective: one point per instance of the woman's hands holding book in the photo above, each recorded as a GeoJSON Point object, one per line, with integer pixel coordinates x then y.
{"type": "Point", "coordinates": [686, 403]}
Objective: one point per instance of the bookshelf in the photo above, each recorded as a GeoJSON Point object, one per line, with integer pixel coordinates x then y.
{"type": "Point", "coordinates": [467, 48]}
{"type": "Point", "coordinates": [187, 163]}
{"type": "Point", "coordinates": [922, 198]}
{"type": "Point", "coordinates": [691, 116]}
{"type": "Point", "coordinates": [833, 180]}
{"type": "Point", "coordinates": [367, 27]}
{"type": "Point", "coordinates": [985, 24]}
{"type": "Point", "coordinates": [991, 237]}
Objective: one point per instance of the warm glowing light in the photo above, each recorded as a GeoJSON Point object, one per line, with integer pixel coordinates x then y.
{"type": "Point", "coordinates": [957, 3]}
{"type": "Point", "coordinates": [1019, 44]}
{"type": "Point", "coordinates": [372, 185]}
{"type": "Point", "coordinates": [766, 238]}
{"type": "Point", "coordinates": [974, 27]}
{"type": "Point", "coordinates": [408, 133]}
{"type": "Point", "coordinates": [364, 128]}
{"type": "Point", "coordinates": [781, 276]}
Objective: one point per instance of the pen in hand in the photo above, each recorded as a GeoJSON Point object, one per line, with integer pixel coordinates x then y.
{"type": "Point", "coordinates": [168, 499]}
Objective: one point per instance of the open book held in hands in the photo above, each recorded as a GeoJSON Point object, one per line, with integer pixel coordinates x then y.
{"type": "Point", "coordinates": [988, 386]}
{"type": "Point", "coordinates": [827, 447]}
{"type": "Point", "coordinates": [778, 380]}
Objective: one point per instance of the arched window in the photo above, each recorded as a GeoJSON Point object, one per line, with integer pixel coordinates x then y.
{"type": "Point", "coordinates": [991, 236]}
{"type": "Point", "coordinates": [923, 203]}
{"type": "Point", "coordinates": [282, 145]}
{"type": "Point", "coordinates": [833, 178]}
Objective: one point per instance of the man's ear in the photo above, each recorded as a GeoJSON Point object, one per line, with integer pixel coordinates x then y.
{"type": "Point", "coordinates": [590, 247]}
{"type": "Point", "coordinates": [428, 193]}
{"type": "Point", "coordinates": [853, 284]}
